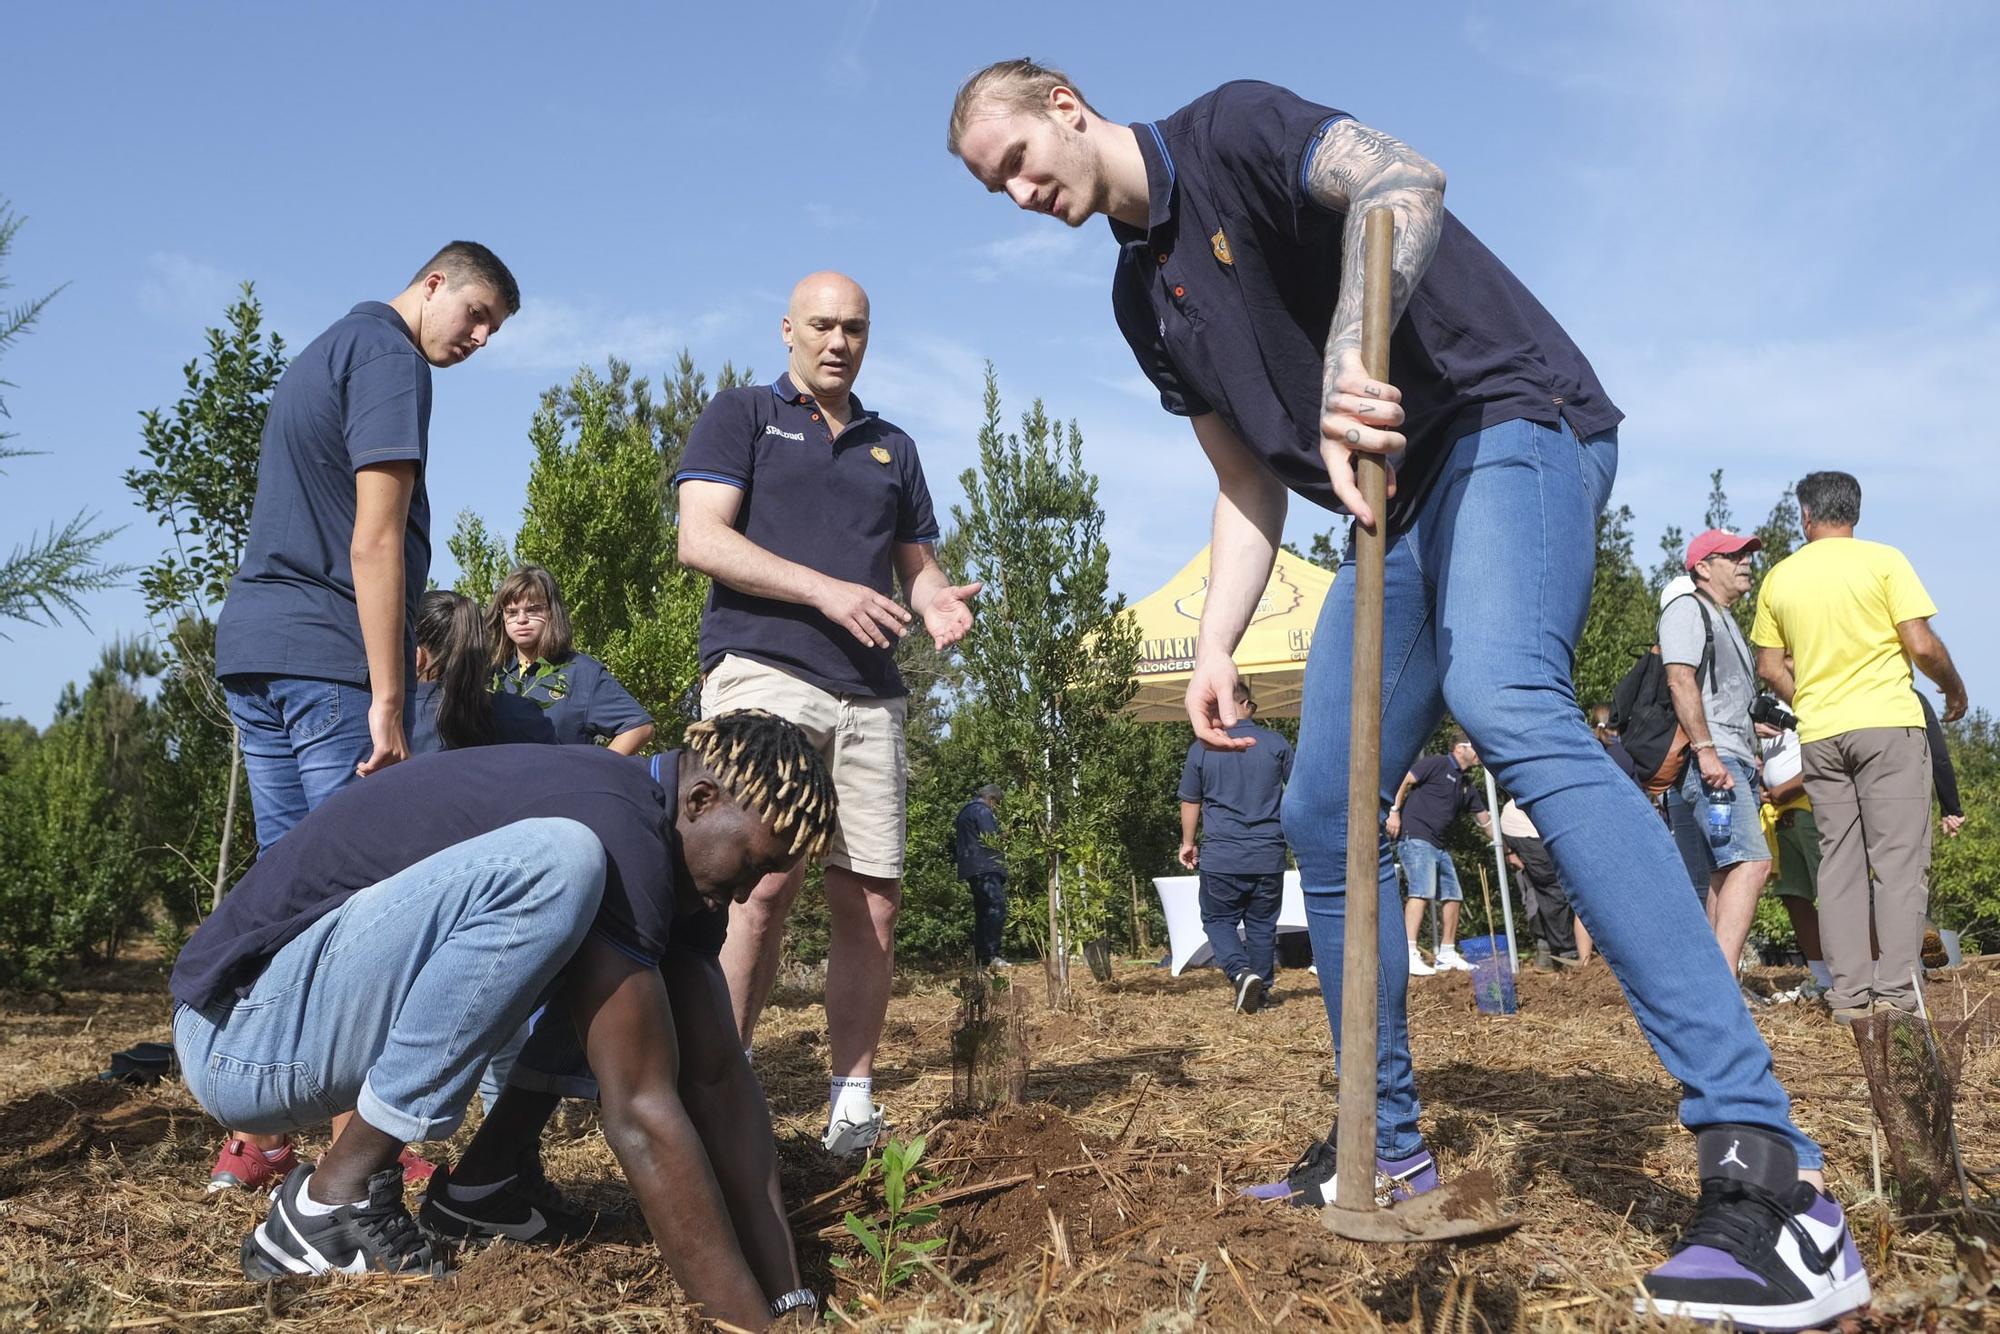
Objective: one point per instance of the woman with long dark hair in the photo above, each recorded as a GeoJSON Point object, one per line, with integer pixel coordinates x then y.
{"type": "Point", "coordinates": [454, 707]}
{"type": "Point", "coordinates": [529, 627]}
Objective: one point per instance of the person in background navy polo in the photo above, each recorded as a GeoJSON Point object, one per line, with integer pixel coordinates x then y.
{"type": "Point", "coordinates": [452, 705]}
{"type": "Point", "coordinates": [528, 624]}
{"type": "Point", "coordinates": [1235, 795]}
{"type": "Point", "coordinates": [314, 648]}
{"type": "Point", "coordinates": [806, 508]}
{"type": "Point", "coordinates": [1238, 287]}
{"type": "Point", "coordinates": [983, 870]}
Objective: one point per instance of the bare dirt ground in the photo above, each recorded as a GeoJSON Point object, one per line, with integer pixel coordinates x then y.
{"type": "Point", "coordinates": [1107, 1202]}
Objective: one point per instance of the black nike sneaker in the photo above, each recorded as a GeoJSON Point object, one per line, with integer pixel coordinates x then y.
{"type": "Point", "coordinates": [1310, 1183]}
{"type": "Point", "coordinates": [377, 1236]}
{"type": "Point", "coordinates": [526, 1209]}
{"type": "Point", "coordinates": [1765, 1249]}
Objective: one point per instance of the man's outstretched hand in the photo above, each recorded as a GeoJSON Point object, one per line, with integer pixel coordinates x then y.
{"type": "Point", "coordinates": [949, 615]}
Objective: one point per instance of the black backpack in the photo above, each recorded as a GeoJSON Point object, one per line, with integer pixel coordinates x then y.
{"type": "Point", "coordinates": [1642, 709]}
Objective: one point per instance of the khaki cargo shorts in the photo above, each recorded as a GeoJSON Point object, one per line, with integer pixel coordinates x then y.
{"type": "Point", "coordinates": [861, 740]}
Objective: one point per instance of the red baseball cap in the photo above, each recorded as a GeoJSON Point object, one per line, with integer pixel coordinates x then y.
{"type": "Point", "coordinates": [1719, 542]}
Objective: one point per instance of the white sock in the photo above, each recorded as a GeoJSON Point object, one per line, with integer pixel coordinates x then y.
{"type": "Point", "coordinates": [308, 1206]}
{"type": "Point", "coordinates": [852, 1099]}
{"type": "Point", "coordinates": [471, 1193]}
{"type": "Point", "coordinates": [1821, 973]}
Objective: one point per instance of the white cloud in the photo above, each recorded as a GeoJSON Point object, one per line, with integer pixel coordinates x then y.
{"type": "Point", "coordinates": [1890, 403]}
{"type": "Point", "coordinates": [553, 334]}
{"type": "Point", "coordinates": [845, 62]}
{"type": "Point", "coordinates": [1046, 252]}
{"type": "Point", "coordinates": [181, 288]}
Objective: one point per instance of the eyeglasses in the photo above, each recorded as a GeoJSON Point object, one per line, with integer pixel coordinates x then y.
{"type": "Point", "coordinates": [538, 611]}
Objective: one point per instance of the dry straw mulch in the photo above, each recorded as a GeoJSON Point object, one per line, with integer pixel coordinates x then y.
{"type": "Point", "coordinates": [1107, 1202]}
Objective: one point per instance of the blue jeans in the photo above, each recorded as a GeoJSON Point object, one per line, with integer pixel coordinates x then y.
{"type": "Point", "coordinates": [989, 915]}
{"type": "Point", "coordinates": [392, 1003]}
{"type": "Point", "coordinates": [1253, 900]}
{"type": "Point", "coordinates": [1687, 810]}
{"type": "Point", "coordinates": [1430, 870]}
{"type": "Point", "coordinates": [1485, 596]}
{"type": "Point", "coordinates": [301, 739]}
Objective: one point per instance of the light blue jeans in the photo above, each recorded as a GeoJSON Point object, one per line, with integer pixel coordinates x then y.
{"type": "Point", "coordinates": [1485, 596]}
{"type": "Point", "coordinates": [393, 1003]}
{"type": "Point", "coordinates": [301, 739]}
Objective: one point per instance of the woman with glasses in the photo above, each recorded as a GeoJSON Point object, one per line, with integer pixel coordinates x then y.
{"type": "Point", "coordinates": [529, 627]}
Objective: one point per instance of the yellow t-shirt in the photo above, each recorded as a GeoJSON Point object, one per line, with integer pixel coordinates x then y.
{"type": "Point", "coordinates": [1835, 604]}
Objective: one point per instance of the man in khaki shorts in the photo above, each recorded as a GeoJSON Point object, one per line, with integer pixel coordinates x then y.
{"type": "Point", "coordinates": [805, 509]}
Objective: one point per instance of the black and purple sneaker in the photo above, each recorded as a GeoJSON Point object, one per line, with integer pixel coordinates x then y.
{"type": "Point", "coordinates": [1310, 1183]}
{"type": "Point", "coordinates": [1765, 1249]}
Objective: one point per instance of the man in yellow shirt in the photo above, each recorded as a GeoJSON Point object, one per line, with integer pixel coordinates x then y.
{"type": "Point", "coordinates": [1854, 616]}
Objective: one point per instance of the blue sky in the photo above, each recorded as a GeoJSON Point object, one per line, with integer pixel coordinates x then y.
{"type": "Point", "coordinates": [1769, 226]}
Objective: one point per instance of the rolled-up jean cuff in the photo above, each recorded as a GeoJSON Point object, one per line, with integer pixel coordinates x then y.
{"type": "Point", "coordinates": [566, 1086]}
{"type": "Point", "coordinates": [404, 1126]}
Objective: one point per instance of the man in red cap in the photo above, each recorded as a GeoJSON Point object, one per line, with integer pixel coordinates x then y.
{"type": "Point", "coordinates": [1712, 677]}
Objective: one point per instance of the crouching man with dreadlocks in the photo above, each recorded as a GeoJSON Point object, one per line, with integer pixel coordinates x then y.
{"type": "Point", "coordinates": [381, 952]}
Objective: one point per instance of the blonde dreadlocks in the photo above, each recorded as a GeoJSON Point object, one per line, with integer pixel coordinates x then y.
{"type": "Point", "coordinates": [769, 767]}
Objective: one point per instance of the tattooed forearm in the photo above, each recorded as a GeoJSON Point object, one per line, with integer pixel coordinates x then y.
{"type": "Point", "coordinates": [1356, 169]}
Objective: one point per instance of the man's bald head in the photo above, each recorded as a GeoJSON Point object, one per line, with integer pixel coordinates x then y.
{"type": "Point", "coordinates": [825, 288]}
{"type": "Point", "coordinates": [826, 334]}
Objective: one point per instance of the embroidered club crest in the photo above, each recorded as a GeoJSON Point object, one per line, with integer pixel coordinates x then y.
{"type": "Point", "coordinates": [1220, 244]}
{"type": "Point", "coordinates": [879, 454]}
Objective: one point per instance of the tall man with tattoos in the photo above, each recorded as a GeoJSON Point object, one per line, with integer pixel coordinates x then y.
{"type": "Point", "coordinates": [1239, 288]}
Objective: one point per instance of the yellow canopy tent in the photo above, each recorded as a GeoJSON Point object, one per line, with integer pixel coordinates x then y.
{"type": "Point", "coordinates": [1272, 656]}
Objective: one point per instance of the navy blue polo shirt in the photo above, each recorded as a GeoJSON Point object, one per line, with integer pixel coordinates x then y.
{"type": "Point", "coordinates": [1239, 792]}
{"type": "Point", "coordinates": [390, 821]}
{"type": "Point", "coordinates": [1441, 794]}
{"type": "Point", "coordinates": [579, 696]}
{"type": "Point", "coordinates": [838, 506]}
{"type": "Point", "coordinates": [1227, 294]}
{"type": "Point", "coordinates": [516, 721]}
{"type": "Point", "coordinates": [972, 835]}
{"type": "Point", "coordinates": [359, 394]}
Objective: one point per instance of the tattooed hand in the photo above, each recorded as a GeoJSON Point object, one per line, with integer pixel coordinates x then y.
{"type": "Point", "coordinates": [1360, 415]}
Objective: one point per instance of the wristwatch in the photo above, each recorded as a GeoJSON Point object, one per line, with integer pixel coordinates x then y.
{"type": "Point", "coordinates": [793, 1300]}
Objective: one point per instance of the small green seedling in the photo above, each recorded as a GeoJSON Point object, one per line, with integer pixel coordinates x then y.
{"type": "Point", "coordinates": [887, 1240]}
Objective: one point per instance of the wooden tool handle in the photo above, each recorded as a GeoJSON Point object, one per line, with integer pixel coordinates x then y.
{"type": "Point", "coordinates": [1361, 960]}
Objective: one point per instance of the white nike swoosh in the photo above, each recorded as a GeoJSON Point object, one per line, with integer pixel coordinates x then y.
{"type": "Point", "coordinates": [526, 1230]}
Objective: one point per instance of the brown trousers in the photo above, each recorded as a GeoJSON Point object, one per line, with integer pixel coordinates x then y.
{"type": "Point", "coordinates": [1871, 795]}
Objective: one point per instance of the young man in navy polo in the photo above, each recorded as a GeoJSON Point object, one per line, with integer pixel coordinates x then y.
{"type": "Point", "coordinates": [316, 644]}
{"type": "Point", "coordinates": [387, 948]}
{"type": "Point", "coordinates": [806, 509]}
{"type": "Point", "coordinates": [1235, 796]}
{"type": "Point", "coordinates": [1239, 289]}
{"type": "Point", "coordinates": [1437, 790]}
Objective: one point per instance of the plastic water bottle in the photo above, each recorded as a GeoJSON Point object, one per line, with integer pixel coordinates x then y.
{"type": "Point", "coordinates": [1720, 807]}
